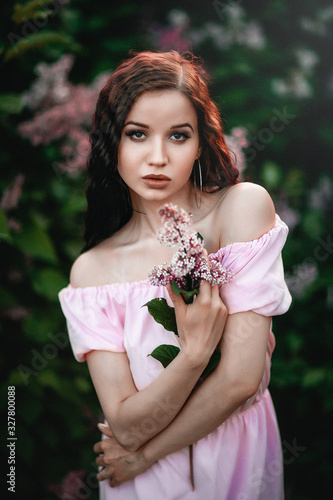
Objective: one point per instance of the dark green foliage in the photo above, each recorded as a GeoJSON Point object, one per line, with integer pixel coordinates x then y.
{"type": "Point", "coordinates": [56, 407]}
{"type": "Point", "coordinates": [163, 314]}
{"type": "Point", "coordinates": [165, 353]}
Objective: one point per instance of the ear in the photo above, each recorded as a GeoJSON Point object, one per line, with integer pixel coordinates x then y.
{"type": "Point", "coordinates": [199, 152]}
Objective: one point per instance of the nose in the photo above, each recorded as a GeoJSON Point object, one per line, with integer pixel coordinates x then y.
{"type": "Point", "coordinates": [157, 154]}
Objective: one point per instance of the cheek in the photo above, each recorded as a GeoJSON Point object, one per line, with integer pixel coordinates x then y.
{"type": "Point", "coordinates": [127, 152]}
{"type": "Point", "coordinates": [187, 158]}
{"type": "Point", "coordinates": [124, 157]}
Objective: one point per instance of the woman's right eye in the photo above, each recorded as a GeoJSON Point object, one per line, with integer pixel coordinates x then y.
{"type": "Point", "coordinates": [136, 134]}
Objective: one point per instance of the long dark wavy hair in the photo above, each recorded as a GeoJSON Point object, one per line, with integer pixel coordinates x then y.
{"type": "Point", "coordinates": [109, 204]}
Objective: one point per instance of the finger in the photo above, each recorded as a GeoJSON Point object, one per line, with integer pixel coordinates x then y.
{"type": "Point", "coordinates": [98, 447]}
{"type": "Point", "coordinates": [177, 300]}
{"type": "Point", "coordinates": [100, 461]}
{"type": "Point", "coordinates": [215, 289]}
{"type": "Point", "coordinates": [205, 291]}
{"type": "Point", "coordinates": [216, 296]}
{"type": "Point", "coordinates": [206, 257]}
{"type": "Point", "coordinates": [104, 474]}
{"type": "Point", "coordinates": [105, 429]}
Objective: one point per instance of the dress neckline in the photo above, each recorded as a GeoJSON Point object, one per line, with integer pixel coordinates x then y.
{"type": "Point", "coordinates": [237, 246]}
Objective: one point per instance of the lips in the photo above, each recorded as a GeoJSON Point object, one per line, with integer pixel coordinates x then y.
{"type": "Point", "coordinates": [154, 181]}
{"type": "Point", "coordinates": [159, 177]}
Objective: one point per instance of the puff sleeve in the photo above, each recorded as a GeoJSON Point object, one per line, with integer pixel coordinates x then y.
{"type": "Point", "coordinates": [94, 320]}
{"type": "Point", "coordinates": [258, 284]}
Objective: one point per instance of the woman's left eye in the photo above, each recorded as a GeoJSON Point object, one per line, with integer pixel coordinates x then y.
{"type": "Point", "coordinates": [135, 134]}
{"type": "Point", "coordinates": [180, 136]}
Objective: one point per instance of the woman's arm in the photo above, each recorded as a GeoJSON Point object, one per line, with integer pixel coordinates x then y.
{"type": "Point", "coordinates": [243, 347]}
{"type": "Point", "coordinates": [237, 378]}
{"type": "Point", "coordinates": [135, 417]}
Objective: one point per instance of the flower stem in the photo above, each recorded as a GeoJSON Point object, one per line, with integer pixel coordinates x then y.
{"type": "Point", "coordinates": [191, 467]}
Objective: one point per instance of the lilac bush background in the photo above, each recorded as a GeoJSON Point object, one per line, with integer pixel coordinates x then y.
{"type": "Point", "coordinates": [272, 77]}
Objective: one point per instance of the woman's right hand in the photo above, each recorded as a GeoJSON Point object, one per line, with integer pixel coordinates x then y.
{"type": "Point", "coordinates": [200, 324]}
{"type": "Point", "coordinates": [116, 464]}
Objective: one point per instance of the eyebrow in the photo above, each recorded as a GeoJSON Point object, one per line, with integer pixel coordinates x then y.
{"type": "Point", "coordinates": [147, 126]}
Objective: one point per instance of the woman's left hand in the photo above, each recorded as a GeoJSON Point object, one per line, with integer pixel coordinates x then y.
{"type": "Point", "coordinates": [118, 464]}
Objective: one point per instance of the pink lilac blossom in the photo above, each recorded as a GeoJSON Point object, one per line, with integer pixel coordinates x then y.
{"type": "Point", "coordinates": [318, 24]}
{"type": "Point", "coordinates": [189, 265]}
{"type": "Point", "coordinates": [173, 37]}
{"type": "Point", "coordinates": [51, 87]}
{"type": "Point", "coordinates": [170, 38]}
{"type": "Point", "coordinates": [72, 486]}
{"type": "Point", "coordinates": [14, 225]}
{"type": "Point", "coordinates": [296, 84]}
{"type": "Point", "coordinates": [290, 216]}
{"type": "Point", "coordinates": [321, 196]}
{"type": "Point", "coordinates": [15, 276]}
{"type": "Point", "coordinates": [12, 194]}
{"type": "Point", "coordinates": [16, 313]}
{"type": "Point", "coordinates": [63, 111]}
{"type": "Point", "coordinates": [301, 278]}
{"type": "Point", "coordinates": [236, 142]}
{"type": "Point", "coordinates": [233, 30]}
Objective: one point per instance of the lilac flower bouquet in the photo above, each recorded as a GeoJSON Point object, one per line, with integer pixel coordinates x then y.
{"type": "Point", "coordinates": [187, 268]}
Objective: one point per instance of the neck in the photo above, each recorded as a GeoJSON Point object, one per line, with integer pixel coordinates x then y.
{"type": "Point", "coordinates": [145, 218]}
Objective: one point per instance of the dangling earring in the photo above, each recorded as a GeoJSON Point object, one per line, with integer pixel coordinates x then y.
{"type": "Point", "coordinates": [200, 185]}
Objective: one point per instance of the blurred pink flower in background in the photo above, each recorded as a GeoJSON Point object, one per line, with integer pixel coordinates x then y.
{"type": "Point", "coordinates": [233, 29]}
{"type": "Point", "coordinates": [301, 278]}
{"type": "Point", "coordinates": [172, 39]}
{"type": "Point", "coordinates": [320, 196]}
{"type": "Point", "coordinates": [12, 194]}
{"type": "Point", "coordinates": [51, 86]}
{"type": "Point", "coordinates": [69, 489]}
{"type": "Point", "coordinates": [237, 141]}
{"type": "Point", "coordinates": [62, 111]}
{"type": "Point", "coordinates": [290, 216]}
{"type": "Point", "coordinates": [16, 313]}
{"type": "Point", "coordinates": [173, 36]}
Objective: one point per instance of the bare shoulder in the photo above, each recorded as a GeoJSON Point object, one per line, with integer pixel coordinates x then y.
{"type": "Point", "coordinates": [90, 268]}
{"type": "Point", "coordinates": [247, 211]}
{"type": "Point", "coordinates": [82, 269]}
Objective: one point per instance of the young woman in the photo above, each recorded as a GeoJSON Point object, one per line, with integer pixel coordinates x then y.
{"type": "Point", "coordinates": [157, 137]}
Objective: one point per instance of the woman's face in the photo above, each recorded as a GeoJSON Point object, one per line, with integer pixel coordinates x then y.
{"type": "Point", "coordinates": [158, 146]}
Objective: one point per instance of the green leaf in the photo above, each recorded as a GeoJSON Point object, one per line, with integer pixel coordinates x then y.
{"type": "Point", "coordinates": [116, 45]}
{"type": "Point", "coordinates": [212, 364]}
{"type": "Point", "coordinates": [313, 223]}
{"type": "Point", "coordinates": [165, 354]}
{"type": "Point", "coordinates": [271, 175]}
{"type": "Point", "coordinates": [48, 282]}
{"type": "Point", "coordinates": [163, 314]}
{"type": "Point", "coordinates": [35, 241]}
{"type": "Point", "coordinates": [27, 444]}
{"type": "Point", "coordinates": [200, 236]}
{"type": "Point", "coordinates": [7, 299]}
{"type": "Point", "coordinates": [189, 294]}
{"type": "Point", "coordinates": [314, 377]}
{"type": "Point", "coordinates": [4, 231]}
{"type": "Point", "coordinates": [29, 10]}
{"type": "Point", "coordinates": [175, 288]}
{"type": "Point", "coordinates": [38, 326]}
{"type": "Point", "coordinates": [186, 294]}
{"type": "Point", "coordinates": [48, 378]}
{"type": "Point", "coordinates": [37, 40]}
{"type": "Point", "coordinates": [11, 103]}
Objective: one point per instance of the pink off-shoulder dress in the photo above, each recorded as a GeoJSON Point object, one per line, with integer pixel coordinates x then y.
{"type": "Point", "coordinates": [241, 459]}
